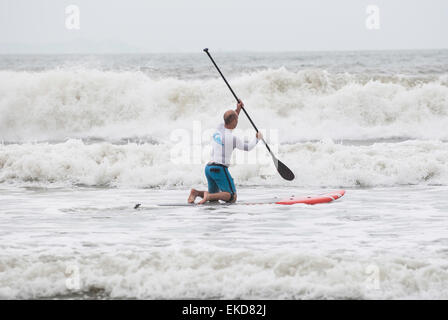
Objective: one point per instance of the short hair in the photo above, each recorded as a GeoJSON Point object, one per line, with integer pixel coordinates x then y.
{"type": "Point", "coordinates": [230, 117]}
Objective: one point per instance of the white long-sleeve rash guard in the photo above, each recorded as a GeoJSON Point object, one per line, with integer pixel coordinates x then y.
{"type": "Point", "coordinates": [224, 142]}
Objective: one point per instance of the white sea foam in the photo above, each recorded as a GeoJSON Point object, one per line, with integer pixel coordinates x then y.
{"type": "Point", "coordinates": [324, 163]}
{"type": "Point", "coordinates": [90, 242]}
{"type": "Point", "coordinates": [308, 104]}
{"type": "Point", "coordinates": [172, 273]}
{"type": "Point", "coordinates": [369, 127]}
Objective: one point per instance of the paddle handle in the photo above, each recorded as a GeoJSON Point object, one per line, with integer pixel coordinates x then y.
{"type": "Point", "coordinates": [236, 98]}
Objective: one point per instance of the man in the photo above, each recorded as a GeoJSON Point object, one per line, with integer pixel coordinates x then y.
{"type": "Point", "coordinates": [220, 182]}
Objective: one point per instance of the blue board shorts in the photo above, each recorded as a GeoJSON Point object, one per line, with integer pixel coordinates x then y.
{"type": "Point", "coordinates": [219, 179]}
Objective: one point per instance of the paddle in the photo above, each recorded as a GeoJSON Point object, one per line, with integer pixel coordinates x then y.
{"type": "Point", "coordinates": [282, 169]}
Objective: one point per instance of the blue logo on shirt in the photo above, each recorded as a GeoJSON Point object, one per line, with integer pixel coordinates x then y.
{"type": "Point", "coordinates": [217, 138]}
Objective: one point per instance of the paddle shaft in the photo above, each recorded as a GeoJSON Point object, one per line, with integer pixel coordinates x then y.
{"type": "Point", "coordinates": [282, 169]}
{"type": "Point", "coordinates": [237, 100]}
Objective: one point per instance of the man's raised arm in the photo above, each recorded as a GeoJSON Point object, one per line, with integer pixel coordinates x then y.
{"type": "Point", "coordinates": [238, 107]}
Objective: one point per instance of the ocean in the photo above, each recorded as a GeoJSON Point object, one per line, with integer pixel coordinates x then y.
{"type": "Point", "coordinates": [83, 138]}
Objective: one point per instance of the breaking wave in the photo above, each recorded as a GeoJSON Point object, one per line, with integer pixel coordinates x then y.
{"type": "Point", "coordinates": [174, 273]}
{"type": "Point", "coordinates": [304, 105]}
{"type": "Point", "coordinates": [323, 163]}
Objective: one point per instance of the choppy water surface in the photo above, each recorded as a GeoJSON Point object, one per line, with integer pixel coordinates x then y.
{"type": "Point", "coordinates": [84, 138]}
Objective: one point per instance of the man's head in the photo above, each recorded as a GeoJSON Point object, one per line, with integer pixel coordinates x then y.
{"type": "Point", "coordinates": [230, 119]}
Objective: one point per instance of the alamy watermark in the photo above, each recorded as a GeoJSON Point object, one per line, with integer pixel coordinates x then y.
{"type": "Point", "coordinates": [72, 281]}
{"type": "Point", "coordinates": [72, 19]}
{"type": "Point", "coordinates": [194, 146]}
{"type": "Point", "coordinates": [373, 18]}
{"type": "Point", "coordinates": [373, 277]}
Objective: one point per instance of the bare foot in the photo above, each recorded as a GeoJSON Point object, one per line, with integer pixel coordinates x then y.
{"type": "Point", "coordinates": [193, 195]}
{"type": "Point", "coordinates": [204, 200]}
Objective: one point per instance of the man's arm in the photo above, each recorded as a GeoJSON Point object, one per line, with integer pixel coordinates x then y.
{"type": "Point", "coordinates": [238, 107]}
{"type": "Point", "coordinates": [247, 146]}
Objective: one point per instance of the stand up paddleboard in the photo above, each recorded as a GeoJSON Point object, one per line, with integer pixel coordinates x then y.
{"type": "Point", "coordinates": [322, 198]}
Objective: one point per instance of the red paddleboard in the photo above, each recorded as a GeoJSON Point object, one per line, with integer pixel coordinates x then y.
{"type": "Point", "coordinates": [323, 198]}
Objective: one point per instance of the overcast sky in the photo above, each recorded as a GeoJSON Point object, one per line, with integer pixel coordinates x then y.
{"type": "Point", "coordinates": [34, 26]}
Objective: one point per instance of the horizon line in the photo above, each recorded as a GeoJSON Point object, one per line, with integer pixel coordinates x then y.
{"type": "Point", "coordinates": [221, 51]}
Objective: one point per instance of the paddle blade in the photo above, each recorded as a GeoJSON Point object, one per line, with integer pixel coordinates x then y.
{"type": "Point", "coordinates": [283, 170]}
